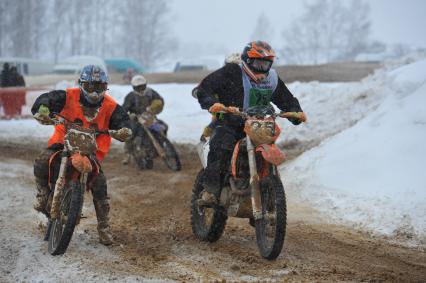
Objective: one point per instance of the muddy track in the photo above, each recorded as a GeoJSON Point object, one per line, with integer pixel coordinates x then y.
{"type": "Point", "coordinates": [153, 237]}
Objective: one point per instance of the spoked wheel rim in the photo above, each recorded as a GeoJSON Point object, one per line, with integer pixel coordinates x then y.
{"type": "Point", "coordinates": [59, 224]}
{"type": "Point", "coordinates": [269, 216]}
{"type": "Point", "coordinates": [208, 223]}
{"type": "Point", "coordinates": [270, 229]}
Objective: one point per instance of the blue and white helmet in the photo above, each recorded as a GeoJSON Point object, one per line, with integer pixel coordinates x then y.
{"type": "Point", "coordinates": [93, 83]}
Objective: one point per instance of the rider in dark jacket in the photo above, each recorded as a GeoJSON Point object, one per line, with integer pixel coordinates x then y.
{"type": "Point", "coordinates": [250, 83]}
{"type": "Point", "coordinates": [142, 99]}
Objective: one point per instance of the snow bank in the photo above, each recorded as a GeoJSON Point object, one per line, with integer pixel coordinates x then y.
{"type": "Point", "coordinates": [372, 174]}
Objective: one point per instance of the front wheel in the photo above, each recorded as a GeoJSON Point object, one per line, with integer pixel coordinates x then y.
{"type": "Point", "coordinates": [207, 223]}
{"type": "Point", "coordinates": [270, 229]}
{"type": "Point", "coordinates": [140, 154]}
{"type": "Point", "coordinates": [62, 228]}
{"type": "Point", "coordinates": [171, 159]}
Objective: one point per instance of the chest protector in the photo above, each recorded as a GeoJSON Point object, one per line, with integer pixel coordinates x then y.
{"type": "Point", "coordinates": [141, 102]}
{"type": "Point", "coordinates": [256, 94]}
{"type": "Point", "coordinates": [73, 111]}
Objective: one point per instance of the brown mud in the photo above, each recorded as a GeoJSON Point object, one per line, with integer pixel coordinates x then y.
{"type": "Point", "coordinates": [153, 238]}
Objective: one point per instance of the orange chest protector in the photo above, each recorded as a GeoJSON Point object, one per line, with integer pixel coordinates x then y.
{"type": "Point", "coordinates": [73, 111]}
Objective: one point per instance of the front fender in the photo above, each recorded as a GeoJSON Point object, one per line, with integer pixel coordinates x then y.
{"type": "Point", "coordinates": [271, 153]}
{"type": "Point", "coordinates": [81, 163]}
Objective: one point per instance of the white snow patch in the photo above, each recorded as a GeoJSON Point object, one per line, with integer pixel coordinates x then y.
{"type": "Point", "coordinates": [372, 174]}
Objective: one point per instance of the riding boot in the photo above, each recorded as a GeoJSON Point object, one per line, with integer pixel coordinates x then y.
{"type": "Point", "coordinates": [42, 196]}
{"type": "Point", "coordinates": [104, 230]}
{"type": "Point", "coordinates": [127, 156]}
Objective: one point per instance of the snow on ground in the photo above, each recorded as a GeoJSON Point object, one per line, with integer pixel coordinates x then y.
{"type": "Point", "coordinates": [372, 174]}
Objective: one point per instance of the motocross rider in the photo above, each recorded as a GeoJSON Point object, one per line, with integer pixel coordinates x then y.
{"type": "Point", "coordinates": [233, 58]}
{"type": "Point", "coordinates": [89, 103]}
{"type": "Point", "coordinates": [139, 101]}
{"type": "Point", "coordinates": [239, 85]}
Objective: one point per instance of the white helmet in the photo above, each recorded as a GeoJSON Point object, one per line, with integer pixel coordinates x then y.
{"type": "Point", "coordinates": [138, 80]}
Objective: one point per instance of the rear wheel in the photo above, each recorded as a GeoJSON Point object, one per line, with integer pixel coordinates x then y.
{"type": "Point", "coordinates": [61, 229]}
{"type": "Point", "coordinates": [270, 229]}
{"type": "Point", "coordinates": [208, 223]}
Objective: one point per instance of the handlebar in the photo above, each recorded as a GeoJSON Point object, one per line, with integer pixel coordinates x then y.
{"type": "Point", "coordinates": [296, 115]}
{"type": "Point", "coordinates": [58, 119]}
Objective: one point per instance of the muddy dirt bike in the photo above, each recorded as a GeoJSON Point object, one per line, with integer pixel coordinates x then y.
{"type": "Point", "coordinates": [77, 163]}
{"type": "Point", "coordinates": [150, 141]}
{"type": "Point", "coordinates": [251, 188]}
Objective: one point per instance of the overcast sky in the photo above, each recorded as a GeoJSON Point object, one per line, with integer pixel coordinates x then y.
{"type": "Point", "coordinates": [229, 23]}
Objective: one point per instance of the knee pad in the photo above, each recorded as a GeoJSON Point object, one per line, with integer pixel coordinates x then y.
{"type": "Point", "coordinates": [41, 164]}
{"type": "Point", "coordinates": [222, 140]}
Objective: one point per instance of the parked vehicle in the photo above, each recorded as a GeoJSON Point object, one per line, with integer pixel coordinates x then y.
{"type": "Point", "coordinates": [122, 65]}
{"type": "Point", "coordinates": [74, 64]}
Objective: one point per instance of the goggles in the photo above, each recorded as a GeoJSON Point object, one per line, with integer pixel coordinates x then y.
{"type": "Point", "coordinates": [140, 88]}
{"type": "Point", "coordinates": [97, 87]}
{"type": "Point", "coordinates": [260, 65]}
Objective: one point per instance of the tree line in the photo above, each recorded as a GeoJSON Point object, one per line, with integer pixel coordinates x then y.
{"type": "Point", "coordinates": [54, 29]}
{"type": "Point", "coordinates": [328, 31]}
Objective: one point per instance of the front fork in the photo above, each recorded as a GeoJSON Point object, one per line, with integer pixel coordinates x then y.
{"type": "Point", "coordinates": [154, 141]}
{"type": "Point", "coordinates": [59, 188]}
{"type": "Point", "coordinates": [254, 181]}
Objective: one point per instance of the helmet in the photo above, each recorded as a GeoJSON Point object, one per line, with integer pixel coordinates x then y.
{"type": "Point", "coordinates": [139, 84]}
{"type": "Point", "coordinates": [93, 84]}
{"type": "Point", "coordinates": [257, 58]}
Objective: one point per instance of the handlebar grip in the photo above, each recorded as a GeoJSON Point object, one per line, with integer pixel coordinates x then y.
{"type": "Point", "coordinates": [297, 115]}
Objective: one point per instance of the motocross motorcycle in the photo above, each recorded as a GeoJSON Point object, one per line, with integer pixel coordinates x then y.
{"type": "Point", "coordinates": [77, 171]}
{"type": "Point", "coordinates": [251, 188]}
{"type": "Point", "coordinates": [150, 141]}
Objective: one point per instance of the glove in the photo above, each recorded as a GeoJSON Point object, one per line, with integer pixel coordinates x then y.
{"type": "Point", "coordinates": [301, 116]}
{"type": "Point", "coordinates": [217, 107]}
{"type": "Point", "coordinates": [297, 118]}
{"type": "Point", "coordinates": [122, 134]}
{"type": "Point", "coordinates": [156, 106]}
{"type": "Point", "coordinates": [233, 110]}
{"type": "Point", "coordinates": [42, 115]}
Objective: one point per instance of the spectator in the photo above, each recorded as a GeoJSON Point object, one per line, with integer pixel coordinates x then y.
{"type": "Point", "coordinates": [16, 79]}
{"type": "Point", "coordinates": [5, 75]}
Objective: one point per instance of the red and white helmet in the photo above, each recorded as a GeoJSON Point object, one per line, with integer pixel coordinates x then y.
{"type": "Point", "coordinates": [258, 57]}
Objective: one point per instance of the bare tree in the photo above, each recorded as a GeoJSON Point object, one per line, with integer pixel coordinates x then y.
{"type": "Point", "coordinates": [328, 31]}
{"type": "Point", "coordinates": [146, 31]}
{"type": "Point", "coordinates": [263, 29]}
{"type": "Point", "coordinates": [57, 28]}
